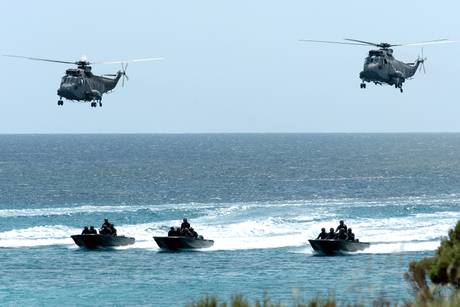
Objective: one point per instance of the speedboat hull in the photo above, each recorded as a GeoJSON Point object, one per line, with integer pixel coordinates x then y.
{"type": "Point", "coordinates": [331, 247]}
{"type": "Point", "coordinates": [176, 243]}
{"type": "Point", "coordinates": [93, 241]}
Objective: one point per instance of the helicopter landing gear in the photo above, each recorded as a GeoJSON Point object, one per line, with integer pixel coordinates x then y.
{"type": "Point", "coordinates": [95, 103]}
{"type": "Point", "coordinates": [400, 89]}
{"type": "Point", "coordinates": [363, 85]}
{"type": "Point", "coordinates": [60, 102]}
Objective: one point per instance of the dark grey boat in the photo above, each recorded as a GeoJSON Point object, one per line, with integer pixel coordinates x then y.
{"type": "Point", "coordinates": [93, 241]}
{"type": "Point", "coordinates": [330, 247]}
{"type": "Point", "coordinates": [180, 242]}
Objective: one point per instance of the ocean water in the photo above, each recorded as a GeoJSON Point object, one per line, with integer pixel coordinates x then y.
{"type": "Point", "coordinates": [259, 196]}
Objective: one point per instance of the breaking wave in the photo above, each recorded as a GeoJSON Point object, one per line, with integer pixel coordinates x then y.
{"type": "Point", "coordinates": [261, 225]}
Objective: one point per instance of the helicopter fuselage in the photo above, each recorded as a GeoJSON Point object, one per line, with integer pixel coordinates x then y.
{"type": "Point", "coordinates": [81, 85]}
{"type": "Point", "coordinates": [381, 67]}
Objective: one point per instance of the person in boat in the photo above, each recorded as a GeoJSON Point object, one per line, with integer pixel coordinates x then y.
{"type": "Point", "coordinates": [331, 234]}
{"type": "Point", "coordinates": [92, 230]}
{"type": "Point", "coordinates": [193, 233]}
{"type": "Point", "coordinates": [173, 231]}
{"type": "Point", "coordinates": [113, 230]}
{"type": "Point", "coordinates": [341, 226]}
{"type": "Point", "coordinates": [106, 224]}
{"type": "Point", "coordinates": [322, 235]}
{"type": "Point", "coordinates": [186, 232]}
{"type": "Point", "coordinates": [105, 230]}
{"type": "Point", "coordinates": [108, 228]}
{"type": "Point", "coordinates": [351, 235]}
{"type": "Point", "coordinates": [85, 231]}
{"type": "Point", "coordinates": [185, 224]}
{"type": "Point", "coordinates": [342, 235]}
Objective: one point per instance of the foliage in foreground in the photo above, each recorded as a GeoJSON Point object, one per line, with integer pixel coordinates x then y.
{"type": "Point", "coordinates": [443, 271]}
{"type": "Point", "coordinates": [240, 301]}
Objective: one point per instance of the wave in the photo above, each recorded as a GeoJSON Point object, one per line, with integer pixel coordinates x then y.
{"type": "Point", "coordinates": [236, 226]}
{"type": "Point", "coordinates": [386, 235]}
{"type": "Point", "coordinates": [227, 208]}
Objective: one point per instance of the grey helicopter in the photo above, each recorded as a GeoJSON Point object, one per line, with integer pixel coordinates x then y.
{"type": "Point", "coordinates": [80, 84]}
{"type": "Point", "coordinates": [381, 67]}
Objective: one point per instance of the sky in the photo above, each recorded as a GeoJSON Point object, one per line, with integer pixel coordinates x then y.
{"type": "Point", "coordinates": [230, 66]}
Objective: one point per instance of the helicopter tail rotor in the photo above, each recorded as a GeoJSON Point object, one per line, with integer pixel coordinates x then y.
{"type": "Point", "coordinates": [421, 59]}
{"type": "Point", "coordinates": [124, 66]}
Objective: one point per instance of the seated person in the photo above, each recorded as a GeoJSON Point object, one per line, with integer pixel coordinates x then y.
{"type": "Point", "coordinates": [113, 230]}
{"type": "Point", "coordinates": [351, 235]}
{"type": "Point", "coordinates": [172, 232]}
{"type": "Point", "coordinates": [322, 235]}
{"type": "Point", "coordinates": [105, 230]}
{"type": "Point", "coordinates": [193, 232]}
{"type": "Point", "coordinates": [185, 224]}
{"type": "Point", "coordinates": [92, 231]}
{"type": "Point", "coordinates": [186, 232]}
{"type": "Point", "coordinates": [331, 234]}
{"type": "Point", "coordinates": [106, 223]}
{"type": "Point", "coordinates": [341, 226]}
{"type": "Point", "coordinates": [85, 231]}
{"type": "Point", "coordinates": [342, 235]}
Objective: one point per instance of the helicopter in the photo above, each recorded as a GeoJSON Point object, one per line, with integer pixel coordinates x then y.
{"type": "Point", "coordinates": [381, 67]}
{"type": "Point", "coordinates": [80, 84]}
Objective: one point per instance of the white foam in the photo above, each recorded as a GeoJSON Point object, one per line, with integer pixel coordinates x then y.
{"type": "Point", "coordinates": [256, 225]}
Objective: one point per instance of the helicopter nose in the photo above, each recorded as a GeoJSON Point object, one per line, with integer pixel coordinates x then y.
{"type": "Point", "coordinates": [64, 90]}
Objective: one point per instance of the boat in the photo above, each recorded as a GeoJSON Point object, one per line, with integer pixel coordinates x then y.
{"type": "Point", "coordinates": [331, 247]}
{"type": "Point", "coordinates": [182, 242]}
{"type": "Point", "coordinates": [93, 241]}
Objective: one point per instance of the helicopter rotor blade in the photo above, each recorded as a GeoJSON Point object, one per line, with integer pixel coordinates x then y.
{"type": "Point", "coordinates": [363, 42]}
{"type": "Point", "coordinates": [130, 61]}
{"type": "Point", "coordinates": [424, 43]}
{"type": "Point", "coordinates": [329, 42]}
{"type": "Point", "coordinates": [38, 59]}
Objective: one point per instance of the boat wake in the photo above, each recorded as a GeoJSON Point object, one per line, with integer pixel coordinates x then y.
{"type": "Point", "coordinates": [412, 224]}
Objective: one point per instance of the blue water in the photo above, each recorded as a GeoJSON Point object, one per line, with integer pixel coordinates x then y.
{"type": "Point", "coordinates": [260, 197]}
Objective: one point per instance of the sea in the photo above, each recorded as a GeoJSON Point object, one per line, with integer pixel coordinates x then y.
{"type": "Point", "coordinates": [260, 197]}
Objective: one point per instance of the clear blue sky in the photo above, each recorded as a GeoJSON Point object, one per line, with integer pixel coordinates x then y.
{"type": "Point", "coordinates": [231, 66]}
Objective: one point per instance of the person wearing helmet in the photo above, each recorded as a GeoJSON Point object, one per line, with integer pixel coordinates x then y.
{"type": "Point", "coordinates": [351, 235]}
{"type": "Point", "coordinates": [331, 235]}
{"type": "Point", "coordinates": [341, 226]}
{"type": "Point", "coordinates": [193, 233]}
{"type": "Point", "coordinates": [322, 235]}
{"type": "Point", "coordinates": [342, 235]}
{"type": "Point", "coordinates": [185, 224]}
{"type": "Point", "coordinates": [92, 230]}
{"type": "Point", "coordinates": [85, 231]}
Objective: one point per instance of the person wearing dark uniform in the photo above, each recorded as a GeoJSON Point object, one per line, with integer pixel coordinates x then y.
{"type": "Point", "coordinates": [342, 234]}
{"type": "Point", "coordinates": [106, 224]}
{"type": "Point", "coordinates": [351, 235]}
{"type": "Point", "coordinates": [171, 232]}
{"type": "Point", "coordinates": [193, 232]}
{"type": "Point", "coordinates": [113, 230]}
{"type": "Point", "coordinates": [92, 230]}
{"type": "Point", "coordinates": [322, 235]}
{"type": "Point", "coordinates": [341, 226]}
{"type": "Point", "coordinates": [331, 234]}
{"type": "Point", "coordinates": [85, 231]}
{"type": "Point", "coordinates": [184, 224]}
